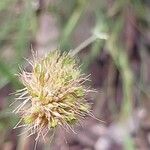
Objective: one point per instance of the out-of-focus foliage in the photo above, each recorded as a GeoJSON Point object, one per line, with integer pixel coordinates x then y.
{"type": "Point", "coordinates": [113, 19]}
{"type": "Point", "coordinates": [125, 22]}
{"type": "Point", "coordinates": [17, 26]}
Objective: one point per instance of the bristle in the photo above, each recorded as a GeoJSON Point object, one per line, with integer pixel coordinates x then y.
{"type": "Point", "coordinates": [53, 95]}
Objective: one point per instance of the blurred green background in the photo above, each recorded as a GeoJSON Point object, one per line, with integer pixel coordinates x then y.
{"type": "Point", "coordinates": [118, 64]}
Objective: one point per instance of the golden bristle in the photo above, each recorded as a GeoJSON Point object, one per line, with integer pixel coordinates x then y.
{"type": "Point", "coordinates": [54, 93]}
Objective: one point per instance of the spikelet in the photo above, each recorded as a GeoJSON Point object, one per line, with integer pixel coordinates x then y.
{"type": "Point", "coordinates": [54, 93]}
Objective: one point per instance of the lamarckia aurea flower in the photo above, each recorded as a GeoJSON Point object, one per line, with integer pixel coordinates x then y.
{"type": "Point", "coordinates": [54, 94]}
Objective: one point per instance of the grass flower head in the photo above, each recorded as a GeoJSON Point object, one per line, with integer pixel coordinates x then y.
{"type": "Point", "coordinates": [54, 93]}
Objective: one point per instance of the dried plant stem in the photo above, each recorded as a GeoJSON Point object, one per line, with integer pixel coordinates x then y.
{"type": "Point", "coordinates": [83, 45]}
{"type": "Point", "coordinates": [88, 41]}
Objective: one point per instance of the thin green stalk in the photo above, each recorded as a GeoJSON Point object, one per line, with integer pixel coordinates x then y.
{"type": "Point", "coordinates": [72, 23]}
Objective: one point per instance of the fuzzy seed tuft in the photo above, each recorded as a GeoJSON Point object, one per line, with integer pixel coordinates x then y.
{"type": "Point", "coordinates": [54, 93]}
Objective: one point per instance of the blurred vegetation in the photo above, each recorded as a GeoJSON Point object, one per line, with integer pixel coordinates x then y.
{"type": "Point", "coordinates": [18, 24]}
{"type": "Point", "coordinates": [126, 22]}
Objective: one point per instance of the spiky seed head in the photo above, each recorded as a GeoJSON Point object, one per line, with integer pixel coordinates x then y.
{"type": "Point", "coordinates": [54, 93]}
